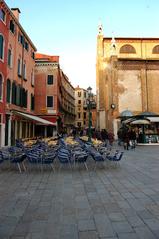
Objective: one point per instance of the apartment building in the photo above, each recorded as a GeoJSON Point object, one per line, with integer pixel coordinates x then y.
{"type": "Point", "coordinates": [54, 94]}
{"type": "Point", "coordinates": [17, 65]}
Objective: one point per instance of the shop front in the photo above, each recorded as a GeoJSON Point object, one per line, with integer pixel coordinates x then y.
{"type": "Point", "coordinates": [146, 126]}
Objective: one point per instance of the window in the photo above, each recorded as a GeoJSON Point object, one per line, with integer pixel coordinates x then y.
{"type": "Point", "coordinates": [1, 87]}
{"type": "Point", "coordinates": [24, 98]}
{"type": "Point", "coordinates": [84, 115]}
{"type": "Point", "coordinates": [155, 50]}
{"type": "Point", "coordinates": [24, 71]}
{"type": "Point", "coordinates": [26, 45]}
{"type": "Point", "coordinates": [2, 15]}
{"type": "Point", "coordinates": [79, 115]}
{"type": "Point", "coordinates": [49, 101]}
{"type": "Point", "coordinates": [84, 94]}
{"type": "Point", "coordinates": [9, 57]}
{"type": "Point", "coordinates": [79, 93]}
{"type": "Point", "coordinates": [12, 26]}
{"type": "Point", "coordinates": [127, 49]}
{"type": "Point", "coordinates": [32, 102]}
{"type": "Point", "coordinates": [8, 90]}
{"type": "Point", "coordinates": [33, 55]}
{"type": "Point", "coordinates": [1, 47]}
{"type": "Point", "coordinates": [13, 93]}
{"type": "Point", "coordinates": [19, 67]}
{"type": "Point", "coordinates": [21, 38]}
{"type": "Point", "coordinates": [50, 79]}
{"type": "Point", "coordinates": [79, 102]}
{"type": "Point", "coordinates": [18, 95]}
{"type": "Point", "coordinates": [32, 77]}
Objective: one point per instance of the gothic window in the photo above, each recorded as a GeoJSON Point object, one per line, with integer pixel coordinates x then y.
{"type": "Point", "coordinates": [1, 47]}
{"type": "Point", "coordinates": [1, 87]}
{"type": "Point", "coordinates": [2, 15]}
{"type": "Point", "coordinates": [10, 57]}
{"type": "Point", "coordinates": [19, 67]}
{"type": "Point", "coordinates": [155, 50]}
{"type": "Point", "coordinates": [8, 91]}
{"type": "Point", "coordinates": [127, 49]}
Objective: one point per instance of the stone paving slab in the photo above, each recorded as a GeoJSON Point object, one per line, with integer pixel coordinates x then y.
{"type": "Point", "coordinates": [108, 203]}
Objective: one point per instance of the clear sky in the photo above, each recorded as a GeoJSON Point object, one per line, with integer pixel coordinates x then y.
{"type": "Point", "coordinates": [68, 28]}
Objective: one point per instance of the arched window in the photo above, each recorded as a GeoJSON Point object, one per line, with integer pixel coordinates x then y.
{"type": "Point", "coordinates": [1, 87]}
{"type": "Point", "coordinates": [8, 90]}
{"type": "Point", "coordinates": [10, 57]}
{"type": "Point", "coordinates": [155, 50]}
{"type": "Point", "coordinates": [19, 67]}
{"type": "Point", "coordinates": [127, 49]}
{"type": "Point", "coordinates": [1, 47]}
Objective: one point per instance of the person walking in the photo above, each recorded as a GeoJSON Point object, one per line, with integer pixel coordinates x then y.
{"type": "Point", "coordinates": [126, 140]}
{"type": "Point", "coordinates": [104, 136]}
{"type": "Point", "coordinates": [111, 137]}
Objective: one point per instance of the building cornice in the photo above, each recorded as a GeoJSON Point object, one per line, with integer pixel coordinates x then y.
{"type": "Point", "coordinates": [54, 64]}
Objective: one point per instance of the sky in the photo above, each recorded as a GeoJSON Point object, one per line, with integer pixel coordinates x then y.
{"type": "Point", "coordinates": [69, 28]}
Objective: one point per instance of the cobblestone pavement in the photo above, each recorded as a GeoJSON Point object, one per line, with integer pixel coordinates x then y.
{"type": "Point", "coordinates": [110, 203]}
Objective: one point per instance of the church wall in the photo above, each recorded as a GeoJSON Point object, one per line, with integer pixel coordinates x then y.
{"type": "Point", "coordinates": [129, 90]}
{"type": "Point", "coordinates": [153, 90]}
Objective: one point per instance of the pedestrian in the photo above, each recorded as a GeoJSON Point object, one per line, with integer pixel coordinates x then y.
{"type": "Point", "coordinates": [104, 136]}
{"type": "Point", "coordinates": [126, 140]}
{"type": "Point", "coordinates": [132, 138]}
{"type": "Point", "coordinates": [120, 136]}
{"type": "Point", "coordinates": [111, 137]}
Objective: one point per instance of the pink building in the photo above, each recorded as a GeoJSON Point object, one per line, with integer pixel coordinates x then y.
{"type": "Point", "coordinates": [4, 21]}
{"type": "Point", "coordinates": [16, 79]}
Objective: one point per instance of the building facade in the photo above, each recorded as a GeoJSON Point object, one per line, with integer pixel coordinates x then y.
{"type": "Point", "coordinates": [4, 21]}
{"type": "Point", "coordinates": [16, 79]}
{"type": "Point", "coordinates": [81, 120]}
{"type": "Point", "coordinates": [81, 108]}
{"type": "Point", "coordinates": [127, 76]}
{"type": "Point", "coordinates": [54, 94]}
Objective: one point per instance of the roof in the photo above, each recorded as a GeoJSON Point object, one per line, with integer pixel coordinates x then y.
{"type": "Point", "coordinates": [44, 57]}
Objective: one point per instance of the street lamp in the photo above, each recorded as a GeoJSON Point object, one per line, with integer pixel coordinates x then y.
{"type": "Point", "coordinates": [89, 106]}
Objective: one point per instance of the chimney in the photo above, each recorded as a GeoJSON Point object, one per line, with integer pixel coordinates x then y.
{"type": "Point", "coordinates": [16, 12]}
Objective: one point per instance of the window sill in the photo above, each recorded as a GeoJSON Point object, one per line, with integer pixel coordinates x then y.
{"type": "Point", "coordinates": [2, 59]}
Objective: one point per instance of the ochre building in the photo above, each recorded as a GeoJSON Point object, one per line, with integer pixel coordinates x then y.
{"type": "Point", "coordinates": [127, 77]}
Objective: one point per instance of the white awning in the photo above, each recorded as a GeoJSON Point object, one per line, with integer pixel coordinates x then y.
{"type": "Point", "coordinates": [140, 121]}
{"type": "Point", "coordinates": [34, 118]}
{"type": "Point", "coordinates": [153, 119]}
{"type": "Point", "coordinates": [127, 121]}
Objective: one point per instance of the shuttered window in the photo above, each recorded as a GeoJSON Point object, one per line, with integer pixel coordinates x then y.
{"type": "Point", "coordinates": [1, 87]}
{"type": "Point", "coordinates": [1, 47]}
{"type": "Point", "coordinates": [8, 90]}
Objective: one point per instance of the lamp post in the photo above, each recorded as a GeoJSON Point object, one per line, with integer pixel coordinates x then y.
{"type": "Point", "coordinates": [89, 106]}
